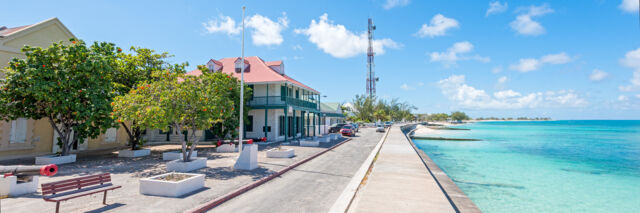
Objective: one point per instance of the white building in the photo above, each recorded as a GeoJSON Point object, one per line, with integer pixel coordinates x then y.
{"type": "Point", "coordinates": [282, 108]}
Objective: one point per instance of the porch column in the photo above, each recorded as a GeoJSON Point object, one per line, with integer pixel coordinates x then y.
{"type": "Point", "coordinates": [266, 112]}
{"type": "Point", "coordinates": [303, 124]}
{"type": "Point", "coordinates": [295, 131]}
{"type": "Point", "coordinates": [286, 124]}
{"type": "Point", "coordinates": [314, 124]}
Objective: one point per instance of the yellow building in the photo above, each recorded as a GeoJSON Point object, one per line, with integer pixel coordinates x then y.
{"type": "Point", "coordinates": [22, 137]}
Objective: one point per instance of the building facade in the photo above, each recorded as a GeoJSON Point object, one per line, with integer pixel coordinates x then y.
{"type": "Point", "coordinates": [280, 108]}
{"type": "Point", "coordinates": [24, 137]}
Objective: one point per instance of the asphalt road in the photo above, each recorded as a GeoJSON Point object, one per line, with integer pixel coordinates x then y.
{"type": "Point", "coordinates": [311, 187]}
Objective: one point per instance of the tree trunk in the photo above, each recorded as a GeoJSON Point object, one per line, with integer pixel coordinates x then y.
{"type": "Point", "coordinates": [193, 145]}
{"type": "Point", "coordinates": [183, 143]}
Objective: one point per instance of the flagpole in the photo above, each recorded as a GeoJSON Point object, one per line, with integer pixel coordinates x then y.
{"type": "Point", "coordinates": [241, 88]}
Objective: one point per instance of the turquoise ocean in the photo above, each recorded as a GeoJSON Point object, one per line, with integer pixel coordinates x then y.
{"type": "Point", "coordinates": [544, 166]}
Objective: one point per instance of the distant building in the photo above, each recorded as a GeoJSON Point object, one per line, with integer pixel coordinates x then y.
{"type": "Point", "coordinates": [282, 108]}
{"type": "Point", "coordinates": [23, 137]}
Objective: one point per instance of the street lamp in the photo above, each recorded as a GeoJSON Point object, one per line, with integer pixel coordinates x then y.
{"type": "Point", "coordinates": [241, 88]}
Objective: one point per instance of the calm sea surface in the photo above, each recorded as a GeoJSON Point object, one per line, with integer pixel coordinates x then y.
{"type": "Point", "coordinates": [545, 166]}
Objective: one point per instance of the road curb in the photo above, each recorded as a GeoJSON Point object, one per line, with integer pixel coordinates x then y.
{"type": "Point", "coordinates": [220, 200]}
{"type": "Point", "coordinates": [343, 202]}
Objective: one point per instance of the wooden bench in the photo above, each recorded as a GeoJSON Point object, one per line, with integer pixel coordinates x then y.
{"type": "Point", "coordinates": [77, 187]}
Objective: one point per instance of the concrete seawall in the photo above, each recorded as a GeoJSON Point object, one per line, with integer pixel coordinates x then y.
{"type": "Point", "coordinates": [403, 179]}
{"type": "Point", "coordinates": [458, 199]}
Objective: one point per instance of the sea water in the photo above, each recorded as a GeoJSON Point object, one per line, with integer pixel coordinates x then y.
{"type": "Point", "coordinates": [544, 166]}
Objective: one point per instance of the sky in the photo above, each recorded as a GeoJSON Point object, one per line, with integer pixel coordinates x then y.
{"type": "Point", "coordinates": [558, 59]}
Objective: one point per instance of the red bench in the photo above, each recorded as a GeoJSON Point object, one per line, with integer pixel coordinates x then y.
{"type": "Point", "coordinates": [77, 187]}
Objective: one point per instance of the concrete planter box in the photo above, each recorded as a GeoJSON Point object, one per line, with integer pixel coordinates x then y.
{"type": "Point", "coordinates": [157, 186]}
{"type": "Point", "coordinates": [9, 186]}
{"type": "Point", "coordinates": [280, 153]}
{"type": "Point", "coordinates": [335, 136]}
{"type": "Point", "coordinates": [309, 143]}
{"type": "Point", "coordinates": [325, 139]}
{"type": "Point", "coordinates": [226, 148]}
{"type": "Point", "coordinates": [181, 166]}
{"type": "Point", "coordinates": [127, 153]}
{"type": "Point", "coordinates": [175, 155]}
{"type": "Point", "coordinates": [55, 159]}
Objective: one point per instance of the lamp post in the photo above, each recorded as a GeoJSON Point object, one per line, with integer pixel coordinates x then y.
{"type": "Point", "coordinates": [241, 88]}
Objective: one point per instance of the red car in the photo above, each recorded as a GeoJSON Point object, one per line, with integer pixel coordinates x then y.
{"type": "Point", "coordinates": [348, 130]}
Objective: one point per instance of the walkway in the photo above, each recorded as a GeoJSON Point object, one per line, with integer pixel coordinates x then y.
{"type": "Point", "coordinates": [399, 182]}
{"type": "Point", "coordinates": [311, 187]}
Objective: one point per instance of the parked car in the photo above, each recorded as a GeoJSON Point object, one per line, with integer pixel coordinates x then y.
{"type": "Point", "coordinates": [388, 124]}
{"type": "Point", "coordinates": [348, 130]}
{"type": "Point", "coordinates": [335, 128]}
{"type": "Point", "coordinates": [379, 128]}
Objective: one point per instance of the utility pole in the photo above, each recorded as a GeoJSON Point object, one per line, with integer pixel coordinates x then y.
{"type": "Point", "coordinates": [371, 77]}
{"type": "Point", "coordinates": [241, 88]}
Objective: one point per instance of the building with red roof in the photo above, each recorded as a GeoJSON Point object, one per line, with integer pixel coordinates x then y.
{"type": "Point", "coordinates": [281, 108]}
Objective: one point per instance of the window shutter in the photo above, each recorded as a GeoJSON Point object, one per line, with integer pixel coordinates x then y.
{"type": "Point", "coordinates": [18, 131]}
{"type": "Point", "coordinates": [110, 135]}
{"type": "Point", "coordinates": [283, 93]}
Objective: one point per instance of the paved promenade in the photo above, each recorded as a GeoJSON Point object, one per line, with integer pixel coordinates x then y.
{"type": "Point", "coordinates": [311, 187]}
{"type": "Point", "coordinates": [399, 182]}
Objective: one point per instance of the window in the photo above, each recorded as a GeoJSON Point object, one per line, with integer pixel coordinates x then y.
{"type": "Point", "coordinates": [297, 94]}
{"type": "Point", "coordinates": [283, 93]}
{"type": "Point", "coordinates": [281, 126]}
{"type": "Point", "coordinates": [298, 126]}
{"type": "Point", "coordinates": [110, 135]}
{"type": "Point", "coordinates": [249, 126]}
{"type": "Point", "coordinates": [18, 131]}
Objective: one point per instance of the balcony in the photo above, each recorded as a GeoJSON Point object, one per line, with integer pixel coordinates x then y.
{"type": "Point", "coordinates": [279, 101]}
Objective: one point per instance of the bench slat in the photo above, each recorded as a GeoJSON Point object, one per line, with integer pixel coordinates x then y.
{"type": "Point", "coordinates": [63, 197]}
{"type": "Point", "coordinates": [75, 183]}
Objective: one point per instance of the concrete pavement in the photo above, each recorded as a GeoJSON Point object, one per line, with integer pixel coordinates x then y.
{"type": "Point", "coordinates": [311, 187]}
{"type": "Point", "coordinates": [399, 182]}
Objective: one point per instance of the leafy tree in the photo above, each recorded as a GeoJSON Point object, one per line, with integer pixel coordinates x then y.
{"type": "Point", "coordinates": [438, 117]}
{"type": "Point", "coordinates": [133, 69]}
{"type": "Point", "coordinates": [459, 116]}
{"type": "Point", "coordinates": [183, 102]}
{"type": "Point", "coordinates": [69, 85]}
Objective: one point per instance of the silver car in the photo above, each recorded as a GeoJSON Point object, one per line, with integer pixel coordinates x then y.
{"type": "Point", "coordinates": [379, 128]}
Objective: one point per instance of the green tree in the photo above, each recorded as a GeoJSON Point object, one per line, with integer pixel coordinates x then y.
{"type": "Point", "coordinates": [438, 117]}
{"type": "Point", "coordinates": [133, 69]}
{"type": "Point", "coordinates": [459, 116]}
{"type": "Point", "coordinates": [69, 85]}
{"type": "Point", "coordinates": [182, 102]}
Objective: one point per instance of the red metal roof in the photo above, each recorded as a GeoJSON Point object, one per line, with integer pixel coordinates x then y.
{"type": "Point", "coordinates": [9, 31]}
{"type": "Point", "coordinates": [257, 72]}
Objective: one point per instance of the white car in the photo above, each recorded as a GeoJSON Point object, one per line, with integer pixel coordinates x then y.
{"type": "Point", "coordinates": [379, 128]}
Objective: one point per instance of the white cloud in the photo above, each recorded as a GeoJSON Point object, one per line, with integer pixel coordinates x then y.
{"type": "Point", "coordinates": [598, 75]}
{"type": "Point", "coordinates": [267, 32]}
{"type": "Point", "coordinates": [465, 96]}
{"type": "Point", "coordinates": [455, 53]}
{"type": "Point", "coordinates": [503, 79]}
{"type": "Point", "coordinates": [395, 3]}
{"type": "Point", "coordinates": [222, 24]}
{"type": "Point", "coordinates": [525, 25]}
{"type": "Point", "coordinates": [526, 65]}
{"type": "Point", "coordinates": [495, 8]}
{"type": "Point", "coordinates": [531, 64]}
{"type": "Point", "coordinates": [560, 58]}
{"type": "Point", "coordinates": [632, 60]}
{"type": "Point", "coordinates": [296, 47]}
{"type": "Point", "coordinates": [637, 95]}
{"type": "Point", "coordinates": [337, 41]}
{"type": "Point", "coordinates": [497, 69]}
{"type": "Point", "coordinates": [438, 27]}
{"type": "Point", "coordinates": [407, 87]}
{"type": "Point", "coordinates": [629, 6]}
{"type": "Point", "coordinates": [622, 98]}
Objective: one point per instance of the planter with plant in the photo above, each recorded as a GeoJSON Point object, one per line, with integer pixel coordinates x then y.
{"type": "Point", "coordinates": [171, 184]}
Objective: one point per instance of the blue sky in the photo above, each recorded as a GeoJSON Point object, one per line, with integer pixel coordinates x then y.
{"type": "Point", "coordinates": [561, 59]}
